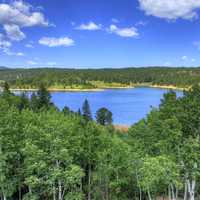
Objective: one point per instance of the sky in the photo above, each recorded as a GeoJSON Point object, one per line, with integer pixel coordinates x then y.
{"type": "Point", "coordinates": [99, 33]}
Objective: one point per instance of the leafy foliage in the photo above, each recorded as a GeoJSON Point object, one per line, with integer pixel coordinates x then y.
{"type": "Point", "coordinates": [50, 154]}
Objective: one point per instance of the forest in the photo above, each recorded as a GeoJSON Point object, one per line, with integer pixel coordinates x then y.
{"type": "Point", "coordinates": [51, 154]}
{"type": "Point", "coordinates": [54, 78]}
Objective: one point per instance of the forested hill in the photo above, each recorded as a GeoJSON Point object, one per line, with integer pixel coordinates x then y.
{"type": "Point", "coordinates": [99, 78]}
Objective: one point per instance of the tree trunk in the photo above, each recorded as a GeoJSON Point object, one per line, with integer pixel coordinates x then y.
{"type": "Point", "coordinates": [54, 192]}
{"type": "Point", "coordinates": [185, 191]}
{"type": "Point", "coordinates": [89, 182]}
{"type": "Point", "coordinates": [191, 189]}
{"type": "Point", "coordinates": [172, 192]}
{"type": "Point", "coordinates": [59, 183]}
{"type": "Point", "coordinates": [19, 193]}
{"type": "Point", "coordinates": [169, 193]}
{"type": "Point", "coordinates": [59, 190]}
{"type": "Point", "coordinates": [140, 191]}
{"type": "Point", "coordinates": [149, 194]}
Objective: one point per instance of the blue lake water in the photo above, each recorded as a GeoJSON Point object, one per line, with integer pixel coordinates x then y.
{"type": "Point", "coordinates": [127, 105]}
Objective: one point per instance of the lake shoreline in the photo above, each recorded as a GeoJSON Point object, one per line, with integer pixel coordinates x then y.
{"type": "Point", "coordinates": [170, 87]}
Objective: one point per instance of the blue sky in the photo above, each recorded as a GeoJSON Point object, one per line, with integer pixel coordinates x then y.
{"type": "Point", "coordinates": [99, 33]}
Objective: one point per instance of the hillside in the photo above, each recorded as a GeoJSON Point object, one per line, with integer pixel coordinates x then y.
{"type": "Point", "coordinates": [55, 78]}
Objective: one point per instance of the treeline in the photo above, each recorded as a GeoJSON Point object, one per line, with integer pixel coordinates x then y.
{"type": "Point", "coordinates": [64, 155]}
{"type": "Point", "coordinates": [89, 78]}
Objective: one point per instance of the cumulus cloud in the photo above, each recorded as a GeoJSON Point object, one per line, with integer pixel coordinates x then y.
{"type": "Point", "coordinates": [171, 9]}
{"type": "Point", "coordinates": [4, 44]}
{"type": "Point", "coordinates": [56, 42]}
{"type": "Point", "coordinates": [21, 14]}
{"type": "Point", "coordinates": [13, 17]}
{"type": "Point", "coordinates": [91, 26]}
{"type": "Point", "coordinates": [17, 15]}
{"type": "Point", "coordinates": [5, 47]}
{"type": "Point", "coordinates": [14, 33]}
{"type": "Point", "coordinates": [123, 32]}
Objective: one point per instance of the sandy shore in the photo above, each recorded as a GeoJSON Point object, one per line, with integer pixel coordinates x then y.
{"type": "Point", "coordinates": [123, 128]}
{"type": "Point", "coordinates": [59, 90]}
{"type": "Point", "coordinates": [104, 88]}
{"type": "Point", "coordinates": [72, 90]}
{"type": "Point", "coordinates": [172, 87]}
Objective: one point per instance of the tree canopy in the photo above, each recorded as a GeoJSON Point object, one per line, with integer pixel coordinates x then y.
{"type": "Point", "coordinates": [48, 154]}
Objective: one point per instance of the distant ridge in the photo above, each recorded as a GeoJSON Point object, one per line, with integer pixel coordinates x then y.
{"type": "Point", "coordinates": [3, 68]}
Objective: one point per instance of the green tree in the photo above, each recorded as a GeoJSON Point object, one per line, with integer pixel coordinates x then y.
{"type": "Point", "coordinates": [66, 110]}
{"type": "Point", "coordinates": [6, 89]}
{"type": "Point", "coordinates": [104, 116]}
{"type": "Point", "coordinates": [33, 102]}
{"type": "Point", "coordinates": [86, 111]}
{"type": "Point", "coordinates": [43, 98]}
{"type": "Point", "coordinates": [23, 102]}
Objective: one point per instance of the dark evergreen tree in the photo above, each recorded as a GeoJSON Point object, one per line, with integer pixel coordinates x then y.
{"type": "Point", "coordinates": [34, 102]}
{"type": "Point", "coordinates": [66, 110]}
{"type": "Point", "coordinates": [43, 98]}
{"type": "Point", "coordinates": [24, 102]}
{"type": "Point", "coordinates": [86, 111]}
{"type": "Point", "coordinates": [104, 116]}
{"type": "Point", "coordinates": [79, 112]}
{"type": "Point", "coordinates": [6, 89]}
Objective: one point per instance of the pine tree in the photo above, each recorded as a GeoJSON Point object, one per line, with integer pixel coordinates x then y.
{"type": "Point", "coordinates": [66, 110]}
{"type": "Point", "coordinates": [86, 111]}
{"type": "Point", "coordinates": [79, 112]}
{"type": "Point", "coordinates": [6, 89]}
{"type": "Point", "coordinates": [43, 98]}
{"type": "Point", "coordinates": [33, 102]}
{"type": "Point", "coordinates": [24, 102]}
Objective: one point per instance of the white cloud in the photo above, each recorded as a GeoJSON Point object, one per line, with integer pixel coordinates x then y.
{"type": "Point", "coordinates": [55, 42]}
{"type": "Point", "coordinates": [91, 26]}
{"type": "Point", "coordinates": [31, 62]}
{"type": "Point", "coordinates": [124, 32]}
{"type": "Point", "coordinates": [16, 15]}
{"type": "Point", "coordinates": [141, 23]}
{"type": "Point", "coordinates": [187, 59]}
{"type": "Point", "coordinates": [14, 33]}
{"type": "Point", "coordinates": [184, 58]}
{"type": "Point", "coordinates": [29, 46]}
{"type": "Point", "coordinates": [4, 44]}
{"type": "Point", "coordinates": [19, 54]}
{"type": "Point", "coordinates": [5, 47]}
{"type": "Point", "coordinates": [8, 52]}
{"type": "Point", "coordinates": [171, 9]}
{"type": "Point", "coordinates": [20, 13]}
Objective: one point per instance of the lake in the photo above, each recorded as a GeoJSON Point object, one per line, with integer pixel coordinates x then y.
{"type": "Point", "coordinates": [127, 105]}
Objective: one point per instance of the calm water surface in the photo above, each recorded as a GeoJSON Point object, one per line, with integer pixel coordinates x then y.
{"type": "Point", "coordinates": [127, 105]}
